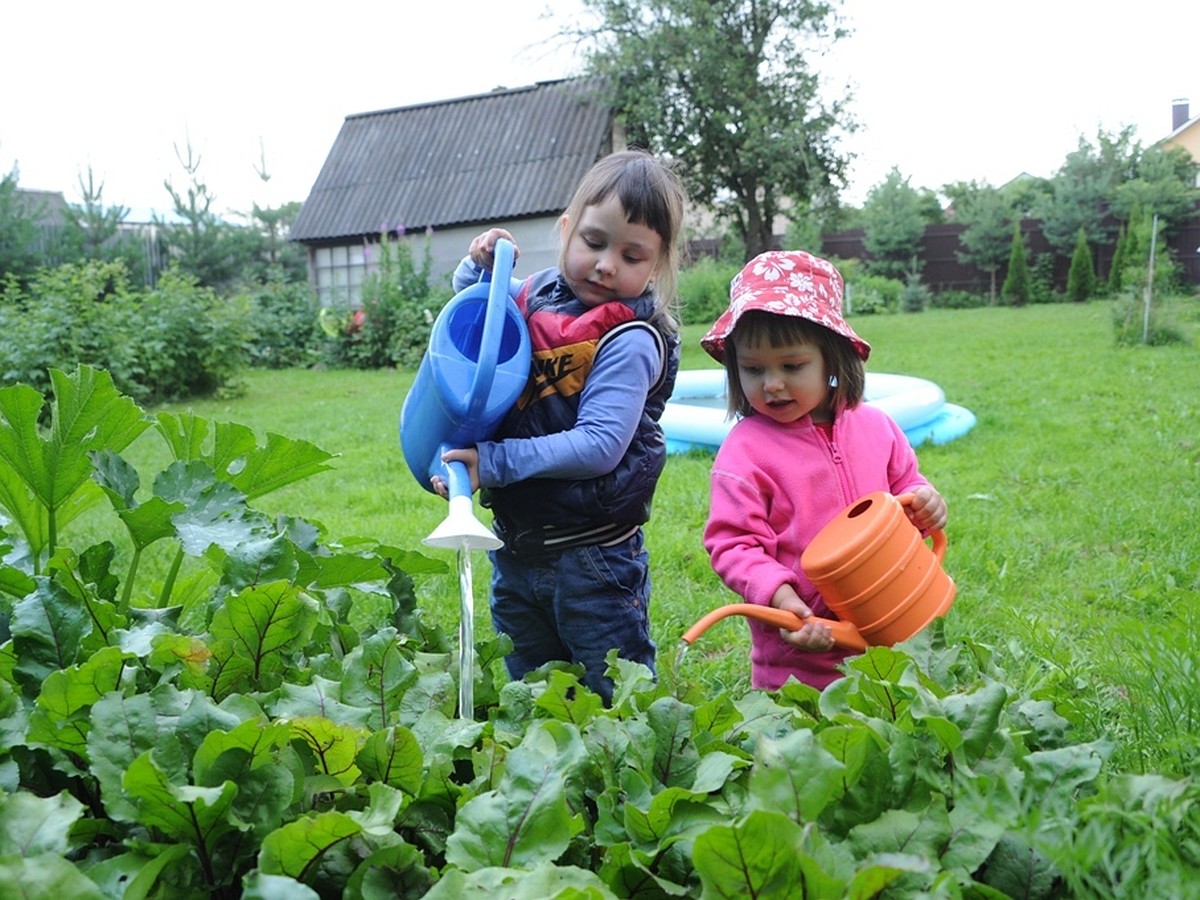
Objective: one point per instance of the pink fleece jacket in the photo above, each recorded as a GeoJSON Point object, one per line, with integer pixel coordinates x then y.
{"type": "Point", "coordinates": [773, 488]}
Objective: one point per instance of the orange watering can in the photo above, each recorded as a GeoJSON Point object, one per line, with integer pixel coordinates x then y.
{"type": "Point", "coordinates": [875, 573]}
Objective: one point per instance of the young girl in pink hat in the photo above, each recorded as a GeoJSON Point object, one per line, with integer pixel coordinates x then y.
{"type": "Point", "coordinates": [805, 447]}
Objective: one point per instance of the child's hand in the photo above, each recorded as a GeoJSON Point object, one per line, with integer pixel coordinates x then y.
{"type": "Point", "coordinates": [815, 636]}
{"type": "Point", "coordinates": [469, 456]}
{"type": "Point", "coordinates": [927, 510]}
{"type": "Point", "coordinates": [483, 248]}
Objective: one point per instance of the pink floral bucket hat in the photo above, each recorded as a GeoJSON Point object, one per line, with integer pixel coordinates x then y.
{"type": "Point", "coordinates": [787, 283]}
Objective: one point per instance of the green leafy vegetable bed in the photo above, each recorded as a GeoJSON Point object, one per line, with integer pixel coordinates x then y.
{"type": "Point", "coordinates": [224, 731]}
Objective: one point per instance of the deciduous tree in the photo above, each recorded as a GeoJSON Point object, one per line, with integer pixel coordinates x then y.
{"type": "Point", "coordinates": [729, 91]}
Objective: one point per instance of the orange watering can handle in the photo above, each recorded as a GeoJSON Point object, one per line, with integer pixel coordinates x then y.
{"type": "Point", "coordinates": [845, 635]}
{"type": "Point", "coordinates": [938, 537]}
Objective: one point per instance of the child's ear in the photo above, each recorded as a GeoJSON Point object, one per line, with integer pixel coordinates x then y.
{"type": "Point", "coordinates": [563, 226]}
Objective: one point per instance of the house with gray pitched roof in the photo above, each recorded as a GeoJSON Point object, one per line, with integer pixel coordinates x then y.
{"type": "Point", "coordinates": [47, 209]}
{"type": "Point", "coordinates": [437, 174]}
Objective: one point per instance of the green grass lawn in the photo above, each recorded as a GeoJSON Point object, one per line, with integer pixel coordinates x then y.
{"type": "Point", "coordinates": [1074, 505]}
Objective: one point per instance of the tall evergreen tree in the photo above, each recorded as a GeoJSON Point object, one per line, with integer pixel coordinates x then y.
{"type": "Point", "coordinates": [199, 241]}
{"type": "Point", "coordinates": [1145, 235]}
{"type": "Point", "coordinates": [92, 224]}
{"type": "Point", "coordinates": [987, 239]}
{"type": "Point", "coordinates": [1081, 277]}
{"type": "Point", "coordinates": [278, 255]}
{"type": "Point", "coordinates": [1135, 256]}
{"type": "Point", "coordinates": [1082, 190]}
{"type": "Point", "coordinates": [1164, 184]}
{"type": "Point", "coordinates": [1116, 279]}
{"type": "Point", "coordinates": [893, 227]}
{"type": "Point", "coordinates": [19, 255]}
{"type": "Point", "coordinates": [1016, 281]}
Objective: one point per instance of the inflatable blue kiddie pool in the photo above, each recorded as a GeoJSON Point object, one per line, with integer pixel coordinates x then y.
{"type": "Point", "coordinates": [695, 416]}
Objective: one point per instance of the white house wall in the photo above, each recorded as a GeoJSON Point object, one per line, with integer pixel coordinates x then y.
{"type": "Point", "coordinates": [537, 240]}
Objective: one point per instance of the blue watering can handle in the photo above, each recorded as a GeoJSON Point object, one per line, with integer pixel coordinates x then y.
{"type": "Point", "coordinates": [493, 328]}
{"type": "Point", "coordinates": [458, 478]}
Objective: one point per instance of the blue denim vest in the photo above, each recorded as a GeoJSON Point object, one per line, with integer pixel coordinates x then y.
{"type": "Point", "coordinates": [544, 513]}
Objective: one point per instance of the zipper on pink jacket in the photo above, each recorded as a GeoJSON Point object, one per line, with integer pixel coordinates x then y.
{"type": "Point", "coordinates": [838, 464]}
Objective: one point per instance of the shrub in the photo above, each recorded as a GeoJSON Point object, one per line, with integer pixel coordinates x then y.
{"type": "Point", "coordinates": [704, 290]}
{"type": "Point", "coordinates": [853, 270]}
{"type": "Point", "coordinates": [191, 342]}
{"type": "Point", "coordinates": [958, 300]}
{"type": "Point", "coordinates": [1041, 279]}
{"type": "Point", "coordinates": [1132, 326]}
{"type": "Point", "coordinates": [73, 313]}
{"type": "Point", "coordinates": [915, 296]}
{"type": "Point", "coordinates": [397, 313]}
{"type": "Point", "coordinates": [1168, 274]}
{"type": "Point", "coordinates": [867, 294]}
{"type": "Point", "coordinates": [286, 329]}
{"type": "Point", "coordinates": [176, 341]}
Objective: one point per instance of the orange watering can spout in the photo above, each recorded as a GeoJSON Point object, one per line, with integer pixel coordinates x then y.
{"type": "Point", "coordinates": [845, 635]}
{"type": "Point", "coordinates": [874, 572]}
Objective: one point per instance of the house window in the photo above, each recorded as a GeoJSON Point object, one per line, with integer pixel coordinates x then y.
{"type": "Point", "coordinates": [339, 274]}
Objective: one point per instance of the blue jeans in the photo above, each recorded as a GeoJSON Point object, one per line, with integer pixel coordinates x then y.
{"type": "Point", "coordinates": [575, 605]}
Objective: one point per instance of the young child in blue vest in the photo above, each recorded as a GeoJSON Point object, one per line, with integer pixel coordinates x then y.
{"type": "Point", "coordinates": [570, 473]}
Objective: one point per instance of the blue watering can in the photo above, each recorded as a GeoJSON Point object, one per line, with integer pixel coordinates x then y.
{"type": "Point", "coordinates": [475, 368]}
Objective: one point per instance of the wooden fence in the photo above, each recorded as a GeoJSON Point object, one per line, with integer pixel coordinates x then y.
{"type": "Point", "coordinates": [943, 272]}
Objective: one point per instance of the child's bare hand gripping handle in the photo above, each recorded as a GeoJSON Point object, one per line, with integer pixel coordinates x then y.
{"type": "Point", "coordinates": [814, 634]}
{"type": "Point", "coordinates": [483, 248]}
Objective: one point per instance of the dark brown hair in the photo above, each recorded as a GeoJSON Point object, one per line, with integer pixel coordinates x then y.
{"type": "Point", "coordinates": [757, 326]}
{"type": "Point", "coordinates": [651, 195]}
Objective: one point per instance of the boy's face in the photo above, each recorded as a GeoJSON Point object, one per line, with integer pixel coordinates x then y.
{"type": "Point", "coordinates": [608, 257]}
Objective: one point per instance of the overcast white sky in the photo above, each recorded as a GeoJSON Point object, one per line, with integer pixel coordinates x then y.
{"type": "Point", "coordinates": [946, 90]}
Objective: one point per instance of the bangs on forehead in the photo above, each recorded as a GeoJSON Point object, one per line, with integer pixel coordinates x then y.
{"type": "Point", "coordinates": [757, 327]}
{"type": "Point", "coordinates": [637, 185]}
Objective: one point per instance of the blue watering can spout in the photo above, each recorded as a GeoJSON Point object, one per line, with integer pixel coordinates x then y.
{"type": "Point", "coordinates": [474, 370]}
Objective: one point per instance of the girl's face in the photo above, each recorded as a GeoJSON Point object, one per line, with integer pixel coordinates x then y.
{"type": "Point", "coordinates": [608, 257]}
{"type": "Point", "coordinates": [784, 383]}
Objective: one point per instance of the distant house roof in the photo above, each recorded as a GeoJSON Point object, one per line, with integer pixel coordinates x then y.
{"type": "Point", "coordinates": [508, 154]}
{"type": "Point", "coordinates": [47, 208]}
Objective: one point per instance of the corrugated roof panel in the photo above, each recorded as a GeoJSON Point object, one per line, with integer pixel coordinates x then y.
{"type": "Point", "coordinates": [503, 155]}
